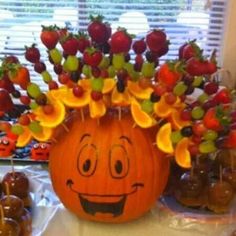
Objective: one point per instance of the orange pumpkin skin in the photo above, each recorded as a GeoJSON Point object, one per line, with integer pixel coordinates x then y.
{"type": "Point", "coordinates": [108, 172]}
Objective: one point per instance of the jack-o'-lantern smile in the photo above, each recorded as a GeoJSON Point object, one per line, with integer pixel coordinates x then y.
{"type": "Point", "coordinates": [103, 203]}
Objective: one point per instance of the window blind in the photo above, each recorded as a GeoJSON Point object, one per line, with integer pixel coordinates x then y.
{"type": "Point", "coordinates": [183, 20]}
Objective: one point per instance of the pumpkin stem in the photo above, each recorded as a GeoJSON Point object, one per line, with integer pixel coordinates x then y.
{"type": "Point", "coordinates": [82, 114]}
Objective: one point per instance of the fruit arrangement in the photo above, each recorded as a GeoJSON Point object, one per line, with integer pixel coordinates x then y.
{"type": "Point", "coordinates": [98, 72]}
{"type": "Point", "coordinates": [15, 205]}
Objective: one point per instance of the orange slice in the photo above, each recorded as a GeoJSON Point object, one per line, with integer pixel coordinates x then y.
{"type": "Point", "coordinates": [163, 139]}
{"type": "Point", "coordinates": [57, 93]}
{"type": "Point", "coordinates": [55, 118]}
{"type": "Point", "coordinates": [176, 120]}
{"type": "Point", "coordinates": [24, 138]}
{"type": "Point", "coordinates": [85, 84]}
{"type": "Point", "coordinates": [140, 117]}
{"type": "Point", "coordinates": [120, 99]}
{"type": "Point", "coordinates": [97, 108]}
{"type": "Point", "coordinates": [109, 84]}
{"type": "Point", "coordinates": [71, 100]}
{"type": "Point", "coordinates": [162, 109]}
{"type": "Point", "coordinates": [43, 136]}
{"type": "Point", "coordinates": [139, 92]}
{"type": "Point", "coordinates": [182, 154]}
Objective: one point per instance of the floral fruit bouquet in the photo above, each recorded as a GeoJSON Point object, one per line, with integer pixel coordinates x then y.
{"type": "Point", "coordinates": [116, 115]}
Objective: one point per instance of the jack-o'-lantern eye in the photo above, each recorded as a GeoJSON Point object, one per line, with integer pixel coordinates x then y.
{"type": "Point", "coordinates": [118, 162]}
{"type": "Point", "coordinates": [87, 160]}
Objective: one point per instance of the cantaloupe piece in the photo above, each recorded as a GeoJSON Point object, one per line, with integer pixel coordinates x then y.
{"type": "Point", "coordinates": [163, 139]}
{"type": "Point", "coordinates": [24, 138]}
{"type": "Point", "coordinates": [140, 117]}
{"type": "Point", "coordinates": [182, 154]}
{"type": "Point", "coordinates": [135, 89]}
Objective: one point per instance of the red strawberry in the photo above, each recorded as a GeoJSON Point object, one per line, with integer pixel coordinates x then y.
{"type": "Point", "coordinates": [120, 41]}
{"type": "Point", "coordinates": [83, 42]}
{"type": "Point", "coordinates": [62, 32]}
{"type": "Point", "coordinates": [195, 67]}
{"type": "Point", "coordinates": [49, 36]}
{"type": "Point", "coordinates": [230, 141]}
{"type": "Point", "coordinates": [108, 31]}
{"type": "Point", "coordinates": [6, 103]}
{"type": "Point", "coordinates": [92, 57]}
{"type": "Point", "coordinates": [32, 54]}
{"type": "Point", "coordinates": [139, 46]}
{"type": "Point", "coordinates": [211, 67]}
{"type": "Point", "coordinates": [156, 39]}
{"type": "Point", "coordinates": [191, 49]}
{"type": "Point", "coordinates": [211, 119]}
{"type": "Point", "coordinates": [10, 60]}
{"type": "Point", "coordinates": [164, 49]}
{"type": "Point", "coordinates": [5, 83]}
{"type": "Point", "coordinates": [97, 30]}
{"type": "Point", "coordinates": [222, 96]}
{"type": "Point", "coordinates": [70, 45]}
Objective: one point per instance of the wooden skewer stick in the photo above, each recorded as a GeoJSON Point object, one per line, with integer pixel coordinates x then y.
{"type": "Point", "coordinates": [65, 127]}
{"type": "Point", "coordinates": [119, 113]}
{"type": "Point", "coordinates": [2, 215]}
{"type": "Point", "coordinates": [82, 114]}
{"type": "Point", "coordinates": [98, 121]}
{"type": "Point", "coordinates": [54, 140]}
{"type": "Point", "coordinates": [134, 125]}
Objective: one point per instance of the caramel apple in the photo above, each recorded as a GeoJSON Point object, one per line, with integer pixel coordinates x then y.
{"type": "Point", "coordinates": [12, 206]}
{"type": "Point", "coordinates": [229, 175]}
{"type": "Point", "coordinates": [220, 194]}
{"type": "Point", "coordinates": [25, 223]}
{"type": "Point", "coordinates": [190, 189]}
{"type": "Point", "coordinates": [18, 184]}
{"type": "Point", "coordinates": [9, 227]}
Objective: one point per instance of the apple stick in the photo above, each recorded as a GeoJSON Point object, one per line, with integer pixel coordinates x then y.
{"type": "Point", "coordinates": [7, 192]}
{"type": "Point", "coordinates": [12, 166]}
{"type": "Point", "coordinates": [2, 215]}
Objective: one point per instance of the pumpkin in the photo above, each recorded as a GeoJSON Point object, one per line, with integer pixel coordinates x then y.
{"type": "Point", "coordinates": [107, 171]}
{"type": "Point", "coordinates": [7, 147]}
{"type": "Point", "coordinates": [40, 151]}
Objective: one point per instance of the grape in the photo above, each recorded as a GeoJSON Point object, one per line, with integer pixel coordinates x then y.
{"type": "Point", "coordinates": [24, 119]}
{"type": "Point", "coordinates": [207, 147]}
{"type": "Point", "coordinates": [97, 84]}
{"type": "Point", "coordinates": [154, 97]}
{"type": "Point", "coordinates": [16, 94]}
{"type": "Point", "coordinates": [203, 98]}
{"type": "Point", "coordinates": [211, 87]}
{"type": "Point", "coordinates": [86, 70]}
{"type": "Point", "coordinates": [111, 71]}
{"type": "Point", "coordinates": [176, 136]}
{"type": "Point", "coordinates": [147, 106]}
{"type": "Point", "coordinates": [78, 91]}
{"type": "Point", "coordinates": [52, 85]}
{"type": "Point", "coordinates": [55, 55]}
{"type": "Point", "coordinates": [96, 96]}
{"type": "Point", "coordinates": [210, 135]}
{"type": "Point", "coordinates": [71, 63]}
{"type": "Point", "coordinates": [33, 90]}
{"type": "Point", "coordinates": [129, 67]}
{"type": "Point", "coordinates": [118, 61]}
{"type": "Point", "coordinates": [197, 113]}
{"type": "Point", "coordinates": [41, 99]}
{"type": "Point", "coordinates": [187, 131]}
{"type": "Point", "coordinates": [170, 98]}
{"type": "Point", "coordinates": [46, 76]}
{"type": "Point", "coordinates": [197, 81]}
{"type": "Point", "coordinates": [148, 69]}
{"type": "Point", "coordinates": [35, 127]}
{"type": "Point", "coordinates": [120, 85]}
{"type": "Point", "coordinates": [185, 114]}
{"type": "Point", "coordinates": [134, 75]}
{"type": "Point", "coordinates": [180, 88]}
{"type": "Point", "coordinates": [33, 105]}
{"type": "Point", "coordinates": [17, 129]}
{"type": "Point", "coordinates": [105, 62]}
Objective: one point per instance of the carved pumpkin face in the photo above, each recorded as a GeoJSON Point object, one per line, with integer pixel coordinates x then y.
{"type": "Point", "coordinates": [40, 151]}
{"type": "Point", "coordinates": [7, 147]}
{"type": "Point", "coordinates": [109, 171]}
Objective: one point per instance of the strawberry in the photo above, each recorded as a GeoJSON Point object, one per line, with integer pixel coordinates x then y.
{"type": "Point", "coordinates": [156, 39]}
{"type": "Point", "coordinates": [6, 103]}
{"type": "Point", "coordinates": [139, 46]}
{"type": "Point", "coordinates": [169, 73]}
{"type": "Point", "coordinates": [5, 83]}
{"type": "Point", "coordinates": [222, 96]}
{"type": "Point", "coordinates": [191, 49]}
{"type": "Point", "coordinates": [70, 45]}
{"type": "Point", "coordinates": [195, 67]}
{"type": "Point", "coordinates": [83, 42]}
{"type": "Point", "coordinates": [211, 67]}
{"type": "Point", "coordinates": [120, 41]}
{"type": "Point", "coordinates": [62, 32]}
{"type": "Point", "coordinates": [98, 30]}
{"type": "Point", "coordinates": [49, 36]}
{"type": "Point", "coordinates": [32, 54]}
{"type": "Point", "coordinates": [92, 57]}
{"type": "Point", "coordinates": [10, 60]}
{"type": "Point", "coordinates": [230, 141]}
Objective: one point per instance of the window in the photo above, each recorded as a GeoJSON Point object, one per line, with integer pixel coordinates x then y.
{"type": "Point", "coordinates": [20, 21]}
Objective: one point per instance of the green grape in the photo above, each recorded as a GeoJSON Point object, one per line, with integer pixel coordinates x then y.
{"type": "Point", "coordinates": [35, 127]}
{"type": "Point", "coordinates": [97, 84]}
{"type": "Point", "coordinates": [55, 55]}
{"type": "Point", "coordinates": [86, 70]}
{"type": "Point", "coordinates": [129, 67]}
{"type": "Point", "coordinates": [17, 129]}
{"type": "Point", "coordinates": [180, 88]}
{"type": "Point", "coordinates": [118, 61]}
{"type": "Point", "coordinates": [33, 90]}
{"type": "Point", "coordinates": [197, 113]}
{"type": "Point", "coordinates": [176, 136]}
{"type": "Point", "coordinates": [46, 77]}
{"type": "Point", "coordinates": [197, 81]}
{"type": "Point", "coordinates": [104, 63]}
{"type": "Point", "coordinates": [135, 75]}
{"type": "Point", "coordinates": [33, 105]}
{"type": "Point", "coordinates": [207, 146]}
{"type": "Point", "coordinates": [147, 106]}
{"type": "Point", "coordinates": [210, 135]}
{"type": "Point", "coordinates": [148, 69]}
{"type": "Point", "coordinates": [203, 98]}
{"type": "Point", "coordinates": [111, 71]}
{"type": "Point", "coordinates": [71, 63]}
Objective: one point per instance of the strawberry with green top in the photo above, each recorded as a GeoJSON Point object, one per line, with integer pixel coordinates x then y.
{"type": "Point", "coordinates": [120, 41]}
{"type": "Point", "coordinates": [83, 42]}
{"type": "Point", "coordinates": [92, 56]}
{"type": "Point", "coordinates": [49, 36]}
{"type": "Point", "coordinates": [190, 49]}
{"type": "Point", "coordinates": [32, 54]}
{"type": "Point", "coordinates": [69, 45]}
